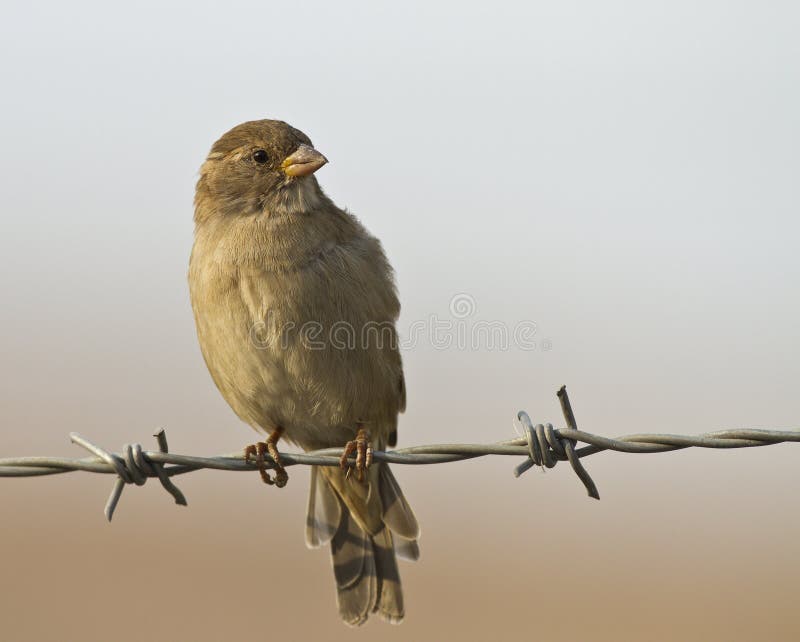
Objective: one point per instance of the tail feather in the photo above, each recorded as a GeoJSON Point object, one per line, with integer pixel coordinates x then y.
{"type": "Point", "coordinates": [324, 511]}
{"type": "Point", "coordinates": [366, 530]}
{"type": "Point", "coordinates": [397, 514]}
{"type": "Point", "coordinates": [389, 603]}
{"type": "Point", "coordinates": [406, 549]}
{"type": "Point", "coordinates": [354, 570]}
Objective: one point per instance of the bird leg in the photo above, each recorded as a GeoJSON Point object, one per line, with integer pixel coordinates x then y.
{"type": "Point", "coordinates": [258, 450]}
{"type": "Point", "coordinates": [362, 446]}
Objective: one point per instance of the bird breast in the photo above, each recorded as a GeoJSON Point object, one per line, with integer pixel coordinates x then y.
{"type": "Point", "coordinates": [310, 346]}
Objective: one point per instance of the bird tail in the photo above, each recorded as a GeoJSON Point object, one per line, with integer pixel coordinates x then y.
{"type": "Point", "coordinates": [368, 526]}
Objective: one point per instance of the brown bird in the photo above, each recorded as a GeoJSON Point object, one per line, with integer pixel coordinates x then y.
{"type": "Point", "coordinates": [295, 307]}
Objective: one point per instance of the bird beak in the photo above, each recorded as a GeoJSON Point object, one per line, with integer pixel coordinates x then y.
{"type": "Point", "coordinates": [306, 160]}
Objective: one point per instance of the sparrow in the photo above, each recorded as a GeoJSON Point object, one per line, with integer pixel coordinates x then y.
{"type": "Point", "coordinates": [295, 308]}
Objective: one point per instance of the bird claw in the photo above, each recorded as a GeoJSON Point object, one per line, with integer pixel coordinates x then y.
{"type": "Point", "coordinates": [362, 446]}
{"type": "Point", "coordinates": [261, 448]}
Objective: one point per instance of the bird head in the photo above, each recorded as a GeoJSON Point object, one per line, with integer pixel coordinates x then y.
{"type": "Point", "coordinates": [261, 167]}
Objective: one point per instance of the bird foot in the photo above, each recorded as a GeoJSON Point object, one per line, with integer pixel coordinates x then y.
{"type": "Point", "coordinates": [363, 448]}
{"type": "Point", "coordinates": [261, 448]}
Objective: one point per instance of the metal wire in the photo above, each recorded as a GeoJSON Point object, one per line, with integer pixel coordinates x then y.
{"type": "Point", "coordinates": [541, 444]}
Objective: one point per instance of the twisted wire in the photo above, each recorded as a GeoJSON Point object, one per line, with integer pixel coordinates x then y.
{"type": "Point", "coordinates": [541, 444]}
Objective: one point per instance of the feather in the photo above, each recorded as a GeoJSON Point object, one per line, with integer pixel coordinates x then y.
{"type": "Point", "coordinates": [324, 511]}
{"type": "Point", "coordinates": [354, 570]}
{"type": "Point", "coordinates": [397, 514]}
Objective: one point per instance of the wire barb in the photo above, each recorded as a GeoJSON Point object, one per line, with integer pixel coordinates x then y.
{"type": "Point", "coordinates": [546, 447]}
{"type": "Point", "coordinates": [542, 445]}
{"type": "Point", "coordinates": [133, 467]}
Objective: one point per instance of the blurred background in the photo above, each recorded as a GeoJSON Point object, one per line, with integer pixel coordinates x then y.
{"type": "Point", "coordinates": [623, 175]}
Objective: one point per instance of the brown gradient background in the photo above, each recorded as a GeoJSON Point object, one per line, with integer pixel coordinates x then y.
{"type": "Point", "coordinates": [622, 173]}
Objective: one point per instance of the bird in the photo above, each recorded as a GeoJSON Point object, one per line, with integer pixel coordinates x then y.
{"type": "Point", "coordinates": [295, 307]}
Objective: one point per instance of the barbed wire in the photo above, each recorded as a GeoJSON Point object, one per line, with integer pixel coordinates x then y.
{"type": "Point", "coordinates": [541, 444]}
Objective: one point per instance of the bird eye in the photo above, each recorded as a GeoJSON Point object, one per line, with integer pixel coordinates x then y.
{"type": "Point", "coordinates": [260, 156]}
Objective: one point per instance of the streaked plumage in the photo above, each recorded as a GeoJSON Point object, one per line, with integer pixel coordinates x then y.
{"type": "Point", "coordinates": [273, 257]}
